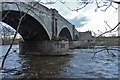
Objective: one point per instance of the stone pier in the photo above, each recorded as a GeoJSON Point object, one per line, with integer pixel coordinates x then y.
{"type": "Point", "coordinates": [44, 47]}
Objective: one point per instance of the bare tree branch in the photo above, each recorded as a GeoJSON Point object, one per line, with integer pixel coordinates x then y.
{"type": "Point", "coordinates": [110, 30]}
{"type": "Point", "coordinates": [107, 49]}
{"type": "Point", "coordinates": [49, 2]}
{"type": "Point", "coordinates": [107, 24]}
{"type": "Point", "coordinates": [63, 2]}
{"type": "Point", "coordinates": [117, 2]}
{"type": "Point", "coordinates": [81, 4]}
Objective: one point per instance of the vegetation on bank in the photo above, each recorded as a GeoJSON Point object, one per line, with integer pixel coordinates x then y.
{"type": "Point", "coordinates": [9, 41]}
{"type": "Point", "coordinates": [107, 41]}
{"type": "Point", "coordinates": [98, 41]}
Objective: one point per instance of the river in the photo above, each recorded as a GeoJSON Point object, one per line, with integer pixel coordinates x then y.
{"type": "Point", "coordinates": [79, 64]}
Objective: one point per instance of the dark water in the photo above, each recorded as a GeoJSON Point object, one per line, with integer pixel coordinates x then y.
{"type": "Point", "coordinates": [79, 64]}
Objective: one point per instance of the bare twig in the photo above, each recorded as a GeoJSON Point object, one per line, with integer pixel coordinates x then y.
{"type": "Point", "coordinates": [107, 24]}
{"type": "Point", "coordinates": [6, 15]}
{"type": "Point", "coordinates": [117, 2]}
{"type": "Point", "coordinates": [110, 30]}
{"type": "Point", "coordinates": [49, 2]}
{"type": "Point", "coordinates": [107, 49]}
{"type": "Point", "coordinates": [97, 52]}
{"type": "Point", "coordinates": [81, 4]}
{"type": "Point", "coordinates": [61, 1]}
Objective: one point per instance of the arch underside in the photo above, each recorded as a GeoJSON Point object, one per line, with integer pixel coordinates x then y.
{"type": "Point", "coordinates": [65, 33]}
{"type": "Point", "coordinates": [30, 29]}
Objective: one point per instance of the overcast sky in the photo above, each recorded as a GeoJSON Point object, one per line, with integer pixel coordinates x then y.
{"type": "Point", "coordinates": [86, 18]}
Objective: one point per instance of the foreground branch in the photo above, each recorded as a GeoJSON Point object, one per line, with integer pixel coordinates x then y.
{"type": "Point", "coordinates": [107, 49]}
{"type": "Point", "coordinates": [110, 30]}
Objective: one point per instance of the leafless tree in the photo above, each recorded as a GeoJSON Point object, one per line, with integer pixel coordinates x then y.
{"type": "Point", "coordinates": [6, 32]}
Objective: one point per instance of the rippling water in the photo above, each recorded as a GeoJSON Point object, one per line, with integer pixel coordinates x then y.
{"type": "Point", "coordinates": [79, 64]}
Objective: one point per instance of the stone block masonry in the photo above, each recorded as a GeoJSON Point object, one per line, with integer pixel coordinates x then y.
{"type": "Point", "coordinates": [44, 47]}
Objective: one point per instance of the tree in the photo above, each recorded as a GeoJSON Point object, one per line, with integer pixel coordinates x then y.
{"type": "Point", "coordinates": [6, 32]}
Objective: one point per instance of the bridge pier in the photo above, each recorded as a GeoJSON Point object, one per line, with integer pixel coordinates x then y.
{"type": "Point", "coordinates": [44, 47]}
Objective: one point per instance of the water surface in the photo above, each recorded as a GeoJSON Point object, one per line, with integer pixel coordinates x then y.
{"type": "Point", "coordinates": [79, 64]}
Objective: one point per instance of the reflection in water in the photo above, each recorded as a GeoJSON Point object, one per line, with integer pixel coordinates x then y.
{"type": "Point", "coordinates": [77, 65]}
{"type": "Point", "coordinates": [44, 66]}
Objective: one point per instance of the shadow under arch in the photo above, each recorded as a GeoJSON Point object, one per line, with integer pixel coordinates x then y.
{"type": "Point", "coordinates": [65, 33]}
{"type": "Point", "coordinates": [30, 29]}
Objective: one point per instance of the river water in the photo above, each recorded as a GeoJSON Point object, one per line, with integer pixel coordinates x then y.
{"type": "Point", "coordinates": [79, 64]}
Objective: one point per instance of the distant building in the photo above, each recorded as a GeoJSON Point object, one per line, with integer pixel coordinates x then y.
{"type": "Point", "coordinates": [86, 36]}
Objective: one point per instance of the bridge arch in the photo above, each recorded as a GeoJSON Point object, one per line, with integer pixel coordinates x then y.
{"type": "Point", "coordinates": [30, 28]}
{"type": "Point", "coordinates": [65, 33]}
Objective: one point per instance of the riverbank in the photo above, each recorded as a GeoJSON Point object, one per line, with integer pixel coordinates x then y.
{"type": "Point", "coordinates": [107, 41]}
{"type": "Point", "coordinates": [9, 41]}
{"type": "Point", "coordinates": [97, 41]}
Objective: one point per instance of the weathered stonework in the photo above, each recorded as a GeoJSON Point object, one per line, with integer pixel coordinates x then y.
{"type": "Point", "coordinates": [42, 18]}
{"type": "Point", "coordinates": [44, 48]}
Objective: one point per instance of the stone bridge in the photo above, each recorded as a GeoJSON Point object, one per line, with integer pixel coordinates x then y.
{"type": "Point", "coordinates": [37, 22]}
